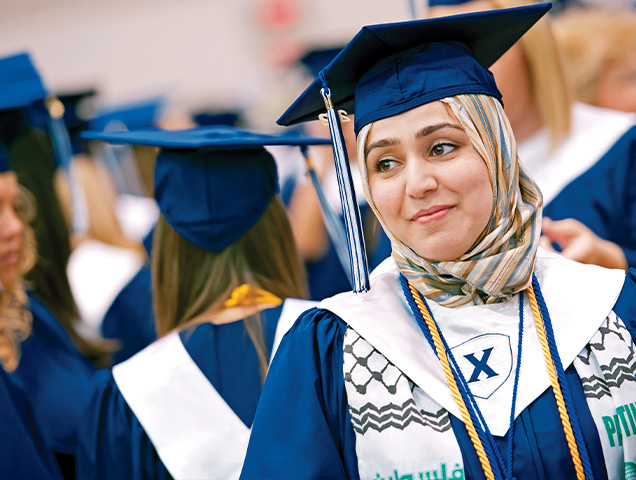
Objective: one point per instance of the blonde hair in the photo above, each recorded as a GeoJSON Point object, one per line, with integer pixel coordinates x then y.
{"type": "Point", "coordinates": [590, 40]}
{"type": "Point", "coordinates": [550, 84]}
{"type": "Point", "coordinates": [15, 318]}
{"type": "Point", "coordinates": [189, 281]}
{"type": "Point", "coordinates": [100, 196]}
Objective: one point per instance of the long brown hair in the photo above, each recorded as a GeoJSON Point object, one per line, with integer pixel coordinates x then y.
{"type": "Point", "coordinates": [189, 280]}
{"type": "Point", "coordinates": [31, 157]}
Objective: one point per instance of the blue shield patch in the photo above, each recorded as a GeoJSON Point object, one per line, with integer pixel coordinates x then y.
{"type": "Point", "coordinates": [485, 362]}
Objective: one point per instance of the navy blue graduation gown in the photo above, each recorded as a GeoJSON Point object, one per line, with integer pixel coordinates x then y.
{"type": "Point", "coordinates": [604, 197]}
{"type": "Point", "coordinates": [113, 444]}
{"type": "Point", "coordinates": [55, 376]}
{"type": "Point", "coordinates": [25, 453]}
{"type": "Point", "coordinates": [303, 428]}
{"type": "Point", "coordinates": [130, 319]}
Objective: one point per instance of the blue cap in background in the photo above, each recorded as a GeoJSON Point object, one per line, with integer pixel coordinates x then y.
{"type": "Point", "coordinates": [78, 110]}
{"type": "Point", "coordinates": [318, 58]}
{"type": "Point", "coordinates": [20, 83]}
{"type": "Point", "coordinates": [129, 116]}
{"type": "Point", "coordinates": [207, 118]}
{"type": "Point", "coordinates": [212, 184]}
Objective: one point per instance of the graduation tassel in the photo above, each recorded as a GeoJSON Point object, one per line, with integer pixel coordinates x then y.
{"type": "Point", "coordinates": [108, 157]}
{"type": "Point", "coordinates": [353, 224]}
{"type": "Point", "coordinates": [334, 227]}
{"type": "Point", "coordinates": [64, 153]}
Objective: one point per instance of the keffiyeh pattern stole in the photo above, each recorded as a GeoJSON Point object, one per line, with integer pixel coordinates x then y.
{"type": "Point", "coordinates": [501, 261]}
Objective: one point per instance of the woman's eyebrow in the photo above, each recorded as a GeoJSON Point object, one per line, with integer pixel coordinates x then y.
{"type": "Point", "coordinates": [386, 142]}
{"type": "Point", "coordinates": [389, 142]}
{"type": "Point", "coordinates": [433, 128]}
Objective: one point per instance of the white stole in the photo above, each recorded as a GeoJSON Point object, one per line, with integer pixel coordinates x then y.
{"type": "Point", "coordinates": [579, 298]}
{"type": "Point", "coordinates": [195, 432]}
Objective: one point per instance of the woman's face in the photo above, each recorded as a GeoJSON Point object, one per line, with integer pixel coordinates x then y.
{"type": "Point", "coordinates": [617, 85]}
{"type": "Point", "coordinates": [11, 228]}
{"type": "Point", "coordinates": [429, 184]}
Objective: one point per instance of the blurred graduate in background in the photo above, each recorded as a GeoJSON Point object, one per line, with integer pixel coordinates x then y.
{"type": "Point", "coordinates": [109, 270]}
{"type": "Point", "coordinates": [600, 56]}
{"type": "Point", "coordinates": [26, 452]}
{"type": "Point", "coordinates": [52, 371]}
{"type": "Point", "coordinates": [582, 157]}
{"type": "Point", "coordinates": [226, 279]}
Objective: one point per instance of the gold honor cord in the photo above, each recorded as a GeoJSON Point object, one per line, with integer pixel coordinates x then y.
{"type": "Point", "coordinates": [247, 296]}
{"type": "Point", "coordinates": [441, 353]}
{"type": "Point", "coordinates": [554, 380]}
{"type": "Point", "coordinates": [556, 387]}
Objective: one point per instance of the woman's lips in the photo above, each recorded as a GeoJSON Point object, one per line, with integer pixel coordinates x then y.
{"type": "Point", "coordinates": [9, 259]}
{"type": "Point", "coordinates": [431, 214]}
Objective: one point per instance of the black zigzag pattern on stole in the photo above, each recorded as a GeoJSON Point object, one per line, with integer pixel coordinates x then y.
{"type": "Point", "coordinates": [618, 371]}
{"type": "Point", "coordinates": [370, 416]}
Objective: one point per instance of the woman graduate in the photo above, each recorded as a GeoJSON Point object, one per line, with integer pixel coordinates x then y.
{"type": "Point", "coordinates": [474, 354]}
{"type": "Point", "coordinates": [583, 158]}
{"type": "Point", "coordinates": [25, 453]}
{"type": "Point", "coordinates": [223, 261]}
{"type": "Point", "coordinates": [52, 371]}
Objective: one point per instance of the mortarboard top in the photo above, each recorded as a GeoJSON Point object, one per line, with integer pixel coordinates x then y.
{"type": "Point", "coordinates": [20, 83]}
{"type": "Point", "coordinates": [131, 116]}
{"type": "Point", "coordinates": [391, 68]}
{"type": "Point", "coordinates": [20, 88]}
{"type": "Point", "coordinates": [318, 58]}
{"type": "Point", "coordinates": [212, 184]}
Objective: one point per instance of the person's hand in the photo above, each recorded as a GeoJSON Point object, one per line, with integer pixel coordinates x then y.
{"type": "Point", "coordinates": [580, 243]}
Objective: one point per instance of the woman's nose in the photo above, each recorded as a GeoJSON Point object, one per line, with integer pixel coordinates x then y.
{"type": "Point", "coordinates": [10, 224]}
{"type": "Point", "coordinates": [420, 180]}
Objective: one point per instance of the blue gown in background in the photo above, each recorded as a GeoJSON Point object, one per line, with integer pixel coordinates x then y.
{"type": "Point", "coordinates": [25, 453]}
{"type": "Point", "coordinates": [55, 377]}
{"type": "Point", "coordinates": [113, 444]}
{"type": "Point", "coordinates": [604, 197]}
{"type": "Point", "coordinates": [303, 428]}
{"type": "Point", "coordinates": [130, 319]}
{"type": "Point", "coordinates": [326, 276]}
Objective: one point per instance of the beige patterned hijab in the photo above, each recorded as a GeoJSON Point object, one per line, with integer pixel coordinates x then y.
{"type": "Point", "coordinates": [501, 261]}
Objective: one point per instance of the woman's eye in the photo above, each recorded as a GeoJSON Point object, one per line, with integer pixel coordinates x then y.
{"type": "Point", "coordinates": [384, 165]}
{"type": "Point", "coordinates": [441, 149]}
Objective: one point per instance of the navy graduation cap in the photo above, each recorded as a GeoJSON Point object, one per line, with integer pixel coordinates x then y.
{"type": "Point", "coordinates": [78, 109]}
{"type": "Point", "coordinates": [22, 89]}
{"type": "Point", "coordinates": [388, 69]}
{"type": "Point", "coordinates": [212, 184]}
{"type": "Point", "coordinates": [20, 86]}
{"type": "Point", "coordinates": [21, 83]}
{"type": "Point", "coordinates": [414, 62]}
{"type": "Point", "coordinates": [206, 118]}
{"type": "Point", "coordinates": [142, 113]}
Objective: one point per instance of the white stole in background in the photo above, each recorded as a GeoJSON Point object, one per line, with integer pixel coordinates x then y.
{"type": "Point", "coordinates": [195, 432]}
